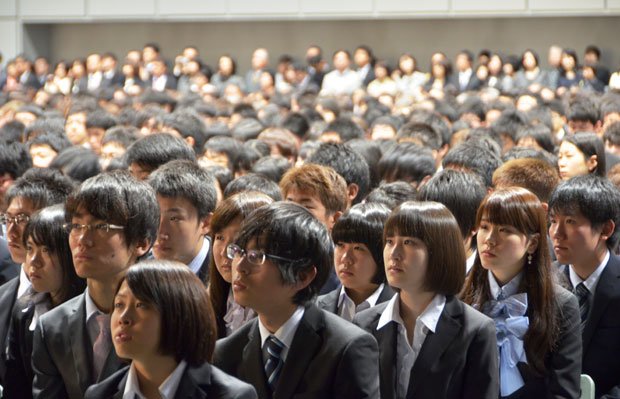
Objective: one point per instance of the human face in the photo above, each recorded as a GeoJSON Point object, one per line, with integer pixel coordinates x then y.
{"type": "Point", "coordinates": [181, 232]}
{"type": "Point", "coordinates": [260, 287]}
{"type": "Point", "coordinates": [503, 249]}
{"type": "Point", "coordinates": [572, 162]}
{"type": "Point", "coordinates": [135, 327]}
{"type": "Point", "coordinates": [42, 155]}
{"type": "Point", "coordinates": [76, 128]}
{"type": "Point", "coordinates": [24, 208]}
{"type": "Point", "coordinates": [406, 263]}
{"type": "Point", "coordinates": [529, 61]}
{"type": "Point", "coordinates": [43, 268]}
{"type": "Point", "coordinates": [575, 240]}
{"type": "Point", "coordinates": [312, 203]}
{"type": "Point", "coordinates": [221, 239]}
{"type": "Point", "coordinates": [95, 135]}
{"type": "Point", "coordinates": [355, 265]}
{"type": "Point", "coordinates": [111, 150]}
{"type": "Point", "coordinates": [341, 61]}
{"type": "Point", "coordinates": [406, 64]}
{"type": "Point", "coordinates": [100, 255]}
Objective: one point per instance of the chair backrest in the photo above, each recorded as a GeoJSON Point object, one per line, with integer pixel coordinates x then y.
{"type": "Point", "coordinates": [587, 387]}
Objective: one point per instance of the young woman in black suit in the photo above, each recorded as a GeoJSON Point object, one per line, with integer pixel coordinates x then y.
{"type": "Point", "coordinates": [49, 266]}
{"type": "Point", "coordinates": [430, 343]}
{"type": "Point", "coordinates": [537, 321]}
{"type": "Point", "coordinates": [163, 322]}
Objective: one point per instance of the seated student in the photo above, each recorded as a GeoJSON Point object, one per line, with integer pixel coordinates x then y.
{"type": "Point", "coordinates": [50, 270]}
{"type": "Point", "coordinates": [15, 160]}
{"type": "Point", "coordinates": [281, 258]}
{"type": "Point", "coordinates": [584, 216]}
{"type": "Point", "coordinates": [35, 189]}
{"type": "Point", "coordinates": [392, 194]}
{"type": "Point", "coordinates": [407, 162]}
{"type": "Point", "coordinates": [431, 344]}
{"type": "Point", "coordinates": [581, 154]}
{"type": "Point", "coordinates": [225, 223]}
{"type": "Point", "coordinates": [163, 323]}
{"type": "Point", "coordinates": [511, 281]}
{"type": "Point", "coordinates": [115, 143]}
{"type": "Point", "coordinates": [253, 182]}
{"type": "Point", "coordinates": [473, 157]}
{"type": "Point", "coordinates": [113, 221]}
{"type": "Point", "coordinates": [78, 163]}
{"type": "Point", "coordinates": [150, 152]}
{"type": "Point", "coordinates": [461, 192]}
{"type": "Point", "coordinates": [358, 261]}
{"type": "Point", "coordinates": [187, 198]}
{"type": "Point", "coordinates": [538, 176]}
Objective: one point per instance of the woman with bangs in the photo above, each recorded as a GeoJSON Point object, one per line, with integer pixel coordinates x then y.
{"type": "Point", "coordinates": [430, 343]}
{"type": "Point", "coordinates": [49, 266]}
{"type": "Point", "coordinates": [537, 322]}
{"type": "Point", "coordinates": [358, 260]}
{"type": "Point", "coordinates": [225, 224]}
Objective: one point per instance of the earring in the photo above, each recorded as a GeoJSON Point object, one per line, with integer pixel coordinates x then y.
{"type": "Point", "coordinates": [529, 259]}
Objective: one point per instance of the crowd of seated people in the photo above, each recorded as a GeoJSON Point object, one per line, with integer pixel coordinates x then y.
{"type": "Point", "coordinates": [353, 230]}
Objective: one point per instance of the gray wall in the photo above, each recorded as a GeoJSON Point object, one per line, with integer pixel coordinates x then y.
{"type": "Point", "coordinates": [387, 37]}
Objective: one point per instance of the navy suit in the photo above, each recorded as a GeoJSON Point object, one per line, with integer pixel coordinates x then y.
{"type": "Point", "coordinates": [203, 382]}
{"type": "Point", "coordinates": [459, 360]}
{"type": "Point", "coordinates": [328, 358]}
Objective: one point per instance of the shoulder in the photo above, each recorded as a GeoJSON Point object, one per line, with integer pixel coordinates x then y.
{"type": "Point", "coordinates": [341, 332]}
{"type": "Point", "coordinates": [366, 318]}
{"type": "Point", "coordinates": [329, 300]}
{"type": "Point", "coordinates": [237, 338]}
{"type": "Point", "coordinates": [475, 320]}
{"type": "Point", "coordinates": [108, 387]}
{"type": "Point", "coordinates": [224, 383]}
{"type": "Point", "coordinates": [56, 315]}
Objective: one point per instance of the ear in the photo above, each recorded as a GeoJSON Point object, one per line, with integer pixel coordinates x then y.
{"type": "Point", "coordinates": [305, 278]}
{"type": "Point", "coordinates": [545, 206]}
{"type": "Point", "coordinates": [205, 223]}
{"type": "Point", "coordinates": [533, 245]}
{"type": "Point", "coordinates": [608, 229]}
{"type": "Point", "coordinates": [592, 162]}
{"type": "Point", "coordinates": [190, 141]}
{"type": "Point", "coordinates": [332, 219]}
{"type": "Point", "coordinates": [352, 191]}
{"type": "Point", "coordinates": [142, 247]}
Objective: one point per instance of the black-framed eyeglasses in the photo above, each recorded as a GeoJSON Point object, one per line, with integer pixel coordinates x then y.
{"type": "Point", "coordinates": [19, 220]}
{"type": "Point", "coordinates": [76, 228]}
{"type": "Point", "coordinates": [254, 256]}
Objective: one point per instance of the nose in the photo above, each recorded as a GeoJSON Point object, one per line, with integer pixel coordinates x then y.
{"type": "Point", "coordinates": [490, 237]}
{"type": "Point", "coordinates": [556, 230]}
{"type": "Point", "coordinates": [395, 252]}
{"type": "Point", "coordinates": [34, 260]}
{"type": "Point", "coordinates": [162, 232]}
{"type": "Point", "coordinates": [347, 255]}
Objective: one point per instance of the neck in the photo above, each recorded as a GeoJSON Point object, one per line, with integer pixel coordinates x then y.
{"type": "Point", "coordinates": [153, 373]}
{"type": "Point", "coordinates": [503, 277]}
{"type": "Point", "coordinates": [588, 265]}
{"type": "Point", "coordinates": [412, 304]}
{"type": "Point", "coordinates": [359, 295]}
{"type": "Point", "coordinates": [102, 293]}
{"type": "Point", "coordinates": [55, 298]}
{"type": "Point", "coordinates": [275, 318]}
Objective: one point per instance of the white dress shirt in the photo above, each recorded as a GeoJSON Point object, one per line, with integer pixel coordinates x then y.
{"type": "Point", "coordinates": [285, 333]}
{"type": "Point", "coordinates": [347, 308]}
{"type": "Point", "coordinates": [508, 289]}
{"type": "Point", "coordinates": [406, 353]}
{"type": "Point", "coordinates": [167, 389]}
{"type": "Point", "coordinates": [592, 281]}
{"type": "Point", "coordinates": [197, 262]}
{"type": "Point", "coordinates": [24, 282]}
{"type": "Point", "coordinates": [338, 83]}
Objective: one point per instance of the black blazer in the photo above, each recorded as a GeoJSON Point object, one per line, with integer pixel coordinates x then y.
{"type": "Point", "coordinates": [8, 268]}
{"type": "Point", "coordinates": [328, 358]}
{"type": "Point", "coordinates": [201, 382]}
{"type": "Point", "coordinates": [329, 302]}
{"type": "Point", "coordinates": [18, 382]}
{"type": "Point", "coordinates": [460, 360]}
{"type": "Point", "coordinates": [8, 295]}
{"type": "Point", "coordinates": [601, 333]}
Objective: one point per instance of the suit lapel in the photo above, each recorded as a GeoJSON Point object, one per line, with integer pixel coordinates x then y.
{"type": "Point", "coordinates": [331, 301]}
{"type": "Point", "coordinates": [306, 343]}
{"type": "Point", "coordinates": [81, 348]}
{"type": "Point", "coordinates": [112, 364]}
{"type": "Point", "coordinates": [252, 370]}
{"type": "Point", "coordinates": [386, 294]}
{"type": "Point", "coordinates": [435, 344]}
{"type": "Point", "coordinates": [386, 337]}
{"type": "Point", "coordinates": [608, 285]}
{"type": "Point", "coordinates": [193, 378]}
{"type": "Point", "coordinates": [121, 386]}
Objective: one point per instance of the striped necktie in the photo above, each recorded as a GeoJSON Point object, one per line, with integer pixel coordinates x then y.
{"type": "Point", "coordinates": [274, 363]}
{"type": "Point", "coordinates": [582, 293]}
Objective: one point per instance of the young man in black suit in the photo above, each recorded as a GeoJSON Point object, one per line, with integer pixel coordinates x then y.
{"type": "Point", "coordinates": [584, 214]}
{"type": "Point", "coordinates": [112, 221]}
{"type": "Point", "coordinates": [281, 258]}
{"type": "Point", "coordinates": [187, 197]}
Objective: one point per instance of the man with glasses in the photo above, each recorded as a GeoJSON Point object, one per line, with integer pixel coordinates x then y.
{"type": "Point", "coordinates": [112, 221]}
{"type": "Point", "coordinates": [281, 258]}
{"type": "Point", "coordinates": [34, 190]}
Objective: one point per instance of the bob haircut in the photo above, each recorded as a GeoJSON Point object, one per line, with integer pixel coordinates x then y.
{"type": "Point", "coordinates": [290, 231]}
{"type": "Point", "coordinates": [590, 144]}
{"type": "Point", "coordinates": [116, 197]}
{"type": "Point", "coordinates": [521, 209]}
{"type": "Point", "coordinates": [187, 321]}
{"type": "Point", "coordinates": [434, 225]}
{"type": "Point", "coordinates": [45, 229]}
{"type": "Point", "coordinates": [363, 223]}
{"type": "Point", "coordinates": [239, 205]}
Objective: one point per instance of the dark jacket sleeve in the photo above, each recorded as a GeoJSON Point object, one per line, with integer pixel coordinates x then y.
{"type": "Point", "coordinates": [358, 375]}
{"type": "Point", "coordinates": [48, 382]}
{"type": "Point", "coordinates": [482, 370]}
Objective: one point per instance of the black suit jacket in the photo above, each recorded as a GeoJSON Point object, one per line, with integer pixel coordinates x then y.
{"type": "Point", "coordinates": [62, 353]}
{"type": "Point", "coordinates": [328, 358]}
{"type": "Point", "coordinates": [459, 360]}
{"type": "Point", "coordinates": [201, 382]}
{"type": "Point", "coordinates": [18, 382]}
{"type": "Point", "coordinates": [8, 268]}
{"type": "Point", "coordinates": [601, 333]}
{"type": "Point", "coordinates": [8, 295]}
{"type": "Point", "coordinates": [116, 80]}
{"type": "Point", "coordinates": [329, 302]}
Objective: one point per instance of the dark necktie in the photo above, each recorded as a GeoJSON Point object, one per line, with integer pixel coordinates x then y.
{"type": "Point", "coordinates": [274, 363]}
{"type": "Point", "coordinates": [582, 293]}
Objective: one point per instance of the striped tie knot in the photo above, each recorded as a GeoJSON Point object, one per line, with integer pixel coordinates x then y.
{"type": "Point", "coordinates": [582, 293]}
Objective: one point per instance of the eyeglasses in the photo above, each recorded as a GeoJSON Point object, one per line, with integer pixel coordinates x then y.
{"type": "Point", "coordinates": [20, 219]}
{"type": "Point", "coordinates": [255, 257]}
{"type": "Point", "coordinates": [76, 228]}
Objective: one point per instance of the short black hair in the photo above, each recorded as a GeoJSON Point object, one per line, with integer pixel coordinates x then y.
{"type": "Point", "coordinates": [290, 231]}
{"type": "Point", "coordinates": [124, 135]}
{"type": "Point", "coordinates": [42, 186]}
{"type": "Point", "coordinates": [272, 167]}
{"type": "Point", "coordinates": [347, 163]}
{"type": "Point", "coordinates": [421, 133]}
{"type": "Point", "coordinates": [510, 122]}
{"type": "Point", "coordinates": [12, 131]}
{"type": "Point", "coordinates": [116, 197]}
{"type": "Point", "coordinates": [152, 151]}
{"type": "Point", "coordinates": [54, 141]}
{"type": "Point", "coordinates": [590, 144]}
{"type": "Point", "coordinates": [594, 197]}
{"type": "Point", "coordinates": [461, 192]}
{"type": "Point", "coordinates": [612, 133]}
{"type": "Point", "coordinates": [225, 145]}
{"type": "Point", "coordinates": [346, 129]}
{"type": "Point", "coordinates": [392, 194]}
{"type": "Point", "coordinates": [253, 182]}
{"type": "Point", "coordinates": [14, 159]}
{"type": "Point", "coordinates": [79, 163]}
{"type": "Point", "coordinates": [363, 223]}
{"type": "Point", "coordinates": [539, 133]}
{"type": "Point", "coordinates": [100, 119]}
{"type": "Point", "coordinates": [583, 108]}
{"type": "Point", "coordinates": [473, 157]}
{"type": "Point", "coordinates": [51, 126]}
{"type": "Point", "coordinates": [371, 152]}
{"type": "Point", "coordinates": [296, 123]}
{"type": "Point", "coordinates": [186, 179]}
{"type": "Point", "coordinates": [189, 124]}
{"type": "Point", "coordinates": [406, 161]}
